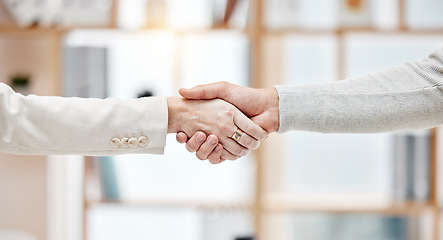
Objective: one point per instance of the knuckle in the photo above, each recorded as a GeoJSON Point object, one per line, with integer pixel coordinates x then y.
{"type": "Point", "coordinates": [229, 113]}
{"type": "Point", "coordinates": [224, 127]}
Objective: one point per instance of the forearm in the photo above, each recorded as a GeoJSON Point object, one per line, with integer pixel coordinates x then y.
{"type": "Point", "coordinates": [405, 97]}
{"type": "Point", "coordinates": [55, 125]}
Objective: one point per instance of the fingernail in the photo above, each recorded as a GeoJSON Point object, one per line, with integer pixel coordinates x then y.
{"type": "Point", "coordinates": [199, 138]}
{"type": "Point", "coordinates": [211, 142]}
{"type": "Point", "coordinates": [217, 149]}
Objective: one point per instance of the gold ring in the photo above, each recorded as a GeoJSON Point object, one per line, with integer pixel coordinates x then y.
{"type": "Point", "coordinates": [237, 135]}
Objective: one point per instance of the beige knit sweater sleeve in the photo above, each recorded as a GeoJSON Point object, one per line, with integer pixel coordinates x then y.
{"type": "Point", "coordinates": [409, 96]}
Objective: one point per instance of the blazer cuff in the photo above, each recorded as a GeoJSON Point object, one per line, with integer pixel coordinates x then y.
{"type": "Point", "coordinates": [159, 118]}
{"type": "Point", "coordinates": [143, 125]}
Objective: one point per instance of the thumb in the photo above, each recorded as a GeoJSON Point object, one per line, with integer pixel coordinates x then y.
{"type": "Point", "coordinates": [207, 91]}
{"type": "Point", "coordinates": [263, 122]}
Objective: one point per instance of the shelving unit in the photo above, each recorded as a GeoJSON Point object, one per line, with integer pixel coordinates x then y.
{"type": "Point", "coordinates": [51, 86]}
{"type": "Point", "coordinates": [56, 34]}
{"type": "Point", "coordinates": [32, 169]}
{"type": "Point", "coordinates": [268, 160]}
{"type": "Point", "coordinates": [264, 203]}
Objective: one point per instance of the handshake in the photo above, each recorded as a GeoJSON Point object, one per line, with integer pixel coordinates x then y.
{"type": "Point", "coordinates": [223, 121]}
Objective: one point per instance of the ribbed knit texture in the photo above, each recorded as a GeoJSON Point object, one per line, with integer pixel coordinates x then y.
{"type": "Point", "coordinates": [409, 96]}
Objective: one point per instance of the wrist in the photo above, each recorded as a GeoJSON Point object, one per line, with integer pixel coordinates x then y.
{"type": "Point", "coordinates": [272, 106]}
{"type": "Point", "coordinates": [175, 105]}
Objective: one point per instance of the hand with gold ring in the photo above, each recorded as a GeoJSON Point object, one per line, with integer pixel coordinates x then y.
{"type": "Point", "coordinates": [202, 145]}
{"type": "Point", "coordinates": [207, 147]}
{"type": "Point", "coordinates": [219, 118]}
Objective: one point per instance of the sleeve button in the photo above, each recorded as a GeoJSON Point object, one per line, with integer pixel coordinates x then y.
{"type": "Point", "coordinates": [133, 142]}
{"type": "Point", "coordinates": [143, 141]}
{"type": "Point", "coordinates": [115, 142]}
{"type": "Point", "coordinates": [124, 142]}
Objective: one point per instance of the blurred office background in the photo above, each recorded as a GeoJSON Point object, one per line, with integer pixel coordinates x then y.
{"type": "Point", "coordinates": [298, 185]}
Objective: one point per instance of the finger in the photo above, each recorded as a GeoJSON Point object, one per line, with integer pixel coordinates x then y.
{"type": "Point", "coordinates": [227, 155]}
{"type": "Point", "coordinates": [215, 156]}
{"type": "Point", "coordinates": [207, 147]}
{"type": "Point", "coordinates": [195, 142]}
{"type": "Point", "coordinates": [229, 144]}
{"type": "Point", "coordinates": [233, 147]}
{"type": "Point", "coordinates": [249, 127]}
{"type": "Point", "coordinates": [207, 91]}
{"type": "Point", "coordinates": [248, 141]}
{"type": "Point", "coordinates": [181, 137]}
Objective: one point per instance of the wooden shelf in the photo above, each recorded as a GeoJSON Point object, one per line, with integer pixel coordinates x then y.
{"type": "Point", "coordinates": [405, 208]}
{"type": "Point", "coordinates": [339, 31]}
{"type": "Point", "coordinates": [28, 31]}
{"type": "Point", "coordinates": [194, 203]}
{"type": "Point", "coordinates": [193, 30]}
{"type": "Point", "coordinates": [40, 30]}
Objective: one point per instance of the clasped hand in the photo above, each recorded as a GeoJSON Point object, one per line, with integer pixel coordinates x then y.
{"type": "Point", "coordinates": [208, 115]}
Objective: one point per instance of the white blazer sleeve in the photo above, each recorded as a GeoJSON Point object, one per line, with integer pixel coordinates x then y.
{"type": "Point", "coordinates": [85, 126]}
